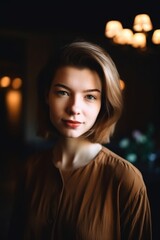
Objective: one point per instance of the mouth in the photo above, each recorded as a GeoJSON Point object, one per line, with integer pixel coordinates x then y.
{"type": "Point", "coordinates": [72, 123]}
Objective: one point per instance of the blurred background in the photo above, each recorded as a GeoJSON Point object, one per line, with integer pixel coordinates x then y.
{"type": "Point", "coordinates": [29, 32]}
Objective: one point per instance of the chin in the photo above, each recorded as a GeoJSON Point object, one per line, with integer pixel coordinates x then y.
{"type": "Point", "coordinates": [71, 135]}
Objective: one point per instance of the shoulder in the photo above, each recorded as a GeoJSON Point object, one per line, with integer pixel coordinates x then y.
{"type": "Point", "coordinates": [123, 173]}
{"type": "Point", "coordinates": [115, 161]}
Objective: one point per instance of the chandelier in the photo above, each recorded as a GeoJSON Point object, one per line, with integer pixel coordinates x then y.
{"type": "Point", "coordinates": [136, 37]}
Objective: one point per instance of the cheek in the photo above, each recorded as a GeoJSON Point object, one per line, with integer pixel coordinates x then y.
{"type": "Point", "coordinates": [53, 104]}
{"type": "Point", "coordinates": [98, 110]}
{"type": "Point", "coordinates": [93, 112]}
{"type": "Point", "coordinates": [56, 109]}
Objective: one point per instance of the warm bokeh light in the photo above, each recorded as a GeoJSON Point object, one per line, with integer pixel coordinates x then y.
{"type": "Point", "coordinates": [5, 81]}
{"type": "Point", "coordinates": [122, 84]}
{"type": "Point", "coordinates": [142, 22]}
{"type": "Point", "coordinates": [112, 28]}
{"type": "Point", "coordinates": [138, 37]}
{"type": "Point", "coordinates": [156, 37]}
{"type": "Point", "coordinates": [124, 37]}
{"type": "Point", "coordinates": [16, 83]}
{"type": "Point", "coordinates": [139, 40]}
{"type": "Point", "coordinates": [13, 104]}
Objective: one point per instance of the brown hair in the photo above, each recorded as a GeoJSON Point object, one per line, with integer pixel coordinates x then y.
{"type": "Point", "coordinates": [82, 54]}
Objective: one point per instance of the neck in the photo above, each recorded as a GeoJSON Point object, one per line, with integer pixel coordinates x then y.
{"type": "Point", "coordinates": [71, 153]}
{"type": "Point", "coordinates": [70, 146]}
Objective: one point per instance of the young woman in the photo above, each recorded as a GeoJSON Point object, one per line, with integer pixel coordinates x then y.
{"type": "Point", "coordinates": [79, 189]}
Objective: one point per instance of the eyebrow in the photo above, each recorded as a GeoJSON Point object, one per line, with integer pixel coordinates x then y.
{"type": "Point", "coordinates": [88, 90]}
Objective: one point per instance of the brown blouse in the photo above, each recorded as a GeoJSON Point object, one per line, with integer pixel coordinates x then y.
{"type": "Point", "coordinates": [104, 200]}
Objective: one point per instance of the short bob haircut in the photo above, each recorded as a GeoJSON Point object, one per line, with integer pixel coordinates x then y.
{"type": "Point", "coordinates": [83, 54]}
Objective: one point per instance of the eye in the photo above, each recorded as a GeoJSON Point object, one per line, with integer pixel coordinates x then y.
{"type": "Point", "coordinates": [90, 97]}
{"type": "Point", "coordinates": [62, 93]}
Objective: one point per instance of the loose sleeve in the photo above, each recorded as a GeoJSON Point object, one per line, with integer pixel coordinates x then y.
{"type": "Point", "coordinates": [136, 217]}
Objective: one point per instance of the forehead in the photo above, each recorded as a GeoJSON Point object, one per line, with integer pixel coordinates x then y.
{"type": "Point", "coordinates": [75, 77]}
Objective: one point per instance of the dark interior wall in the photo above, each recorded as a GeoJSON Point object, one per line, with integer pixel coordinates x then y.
{"type": "Point", "coordinates": [141, 73]}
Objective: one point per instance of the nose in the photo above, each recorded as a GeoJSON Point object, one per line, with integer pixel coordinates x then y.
{"type": "Point", "coordinates": [74, 106]}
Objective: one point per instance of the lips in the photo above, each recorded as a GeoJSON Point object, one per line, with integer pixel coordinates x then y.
{"type": "Point", "coordinates": [72, 123]}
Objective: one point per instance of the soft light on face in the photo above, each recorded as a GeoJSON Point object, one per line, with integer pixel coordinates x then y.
{"type": "Point", "coordinates": [74, 100]}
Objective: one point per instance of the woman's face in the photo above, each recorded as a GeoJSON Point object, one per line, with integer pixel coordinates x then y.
{"type": "Point", "coordinates": [74, 100]}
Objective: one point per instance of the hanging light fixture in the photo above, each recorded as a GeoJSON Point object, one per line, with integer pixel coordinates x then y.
{"type": "Point", "coordinates": [139, 40]}
{"type": "Point", "coordinates": [156, 36]}
{"type": "Point", "coordinates": [125, 36]}
{"type": "Point", "coordinates": [142, 23]}
{"type": "Point", "coordinates": [113, 28]}
{"type": "Point", "coordinates": [137, 37]}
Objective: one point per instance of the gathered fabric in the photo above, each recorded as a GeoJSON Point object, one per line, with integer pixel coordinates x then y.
{"type": "Point", "coordinates": [103, 200]}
